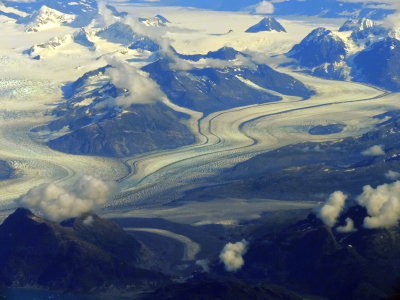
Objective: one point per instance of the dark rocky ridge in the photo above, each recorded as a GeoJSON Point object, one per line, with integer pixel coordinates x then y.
{"type": "Point", "coordinates": [143, 128]}
{"type": "Point", "coordinates": [213, 89]}
{"type": "Point", "coordinates": [77, 255]}
{"type": "Point", "coordinates": [224, 53]}
{"type": "Point", "coordinates": [379, 64]}
{"type": "Point", "coordinates": [312, 258]}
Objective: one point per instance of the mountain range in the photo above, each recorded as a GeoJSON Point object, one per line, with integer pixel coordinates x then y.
{"type": "Point", "coordinates": [89, 123]}
{"type": "Point", "coordinates": [208, 89]}
{"type": "Point", "coordinates": [328, 54]}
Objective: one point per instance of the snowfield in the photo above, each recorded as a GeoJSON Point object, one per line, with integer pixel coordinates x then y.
{"type": "Point", "coordinates": [30, 88]}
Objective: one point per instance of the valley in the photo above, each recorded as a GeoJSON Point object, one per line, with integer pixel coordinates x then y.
{"type": "Point", "coordinates": [208, 150]}
{"type": "Point", "coordinates": [224, 138]}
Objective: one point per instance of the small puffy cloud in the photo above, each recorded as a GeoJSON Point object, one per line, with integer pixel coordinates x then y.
{"type": "Point", "coordinates": [232, 255]}
{"type": "Point", "coordinates": [88, 221]}
{"type": "Point", "coordinates": [330, 211]}
{"type": "Point", "coordinates": [376, 150]}
{"type": "Point", "coordinates": [349, 227]}
{"type": "Point", "coordinates": [382, 204]}
{"type": "Point", "coordinates": [204, 265]}
{"type": "Point", "coordinates": [264, 7]}
{"type": "Point", "coordinates": [392, 175]}
{"type": "Point", "coordinates": [57, 203]}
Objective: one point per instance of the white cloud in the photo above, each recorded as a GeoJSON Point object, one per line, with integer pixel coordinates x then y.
{"type": "Point", "coordinates": [349, 227]}
{"type": "Point", "coordinates": [141, 89]}
{"type": "Point", "coordinates": [232, 255]}
{"type": "Point", "coordinates": [382, 204]}
{"type": "Point", "coordinates": [376, 150]}
{"type": "Point", "coordinates": [392, 175]}
{"type": "Point", "coordinates": [105, 16]}
{"type": "Point", "coordinates": [204, 264]}
{"type": "Point", "coordinates": [88, 221]}
{"type": "Point", "coordinates": [264, 7]}
{"type": "Point", "coordinates": [57, 203]}
{"type": "Point", "coordinates": [330, 211]}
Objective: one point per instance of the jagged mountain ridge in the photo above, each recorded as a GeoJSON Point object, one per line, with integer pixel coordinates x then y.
{"type": "Point", "coordinates": [121, 33]}
{"type": "Point", "coordinates": [210, 89]}
{"type": "Point", "coordinates": [224, 53]}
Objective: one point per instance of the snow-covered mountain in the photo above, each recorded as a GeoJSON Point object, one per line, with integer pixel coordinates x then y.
{"type": "Point", "coordinates": [156, 21]}
{"type": "Point", "coordinates": [319, 47]}
{"type": "Point", "coordinates": [379, 64]}
{"type": "Point", "coordinates": [144, 43]}
{"type": "Point", "coordinates": [357, 24]}
{"type": "Point", "coordinates": [118, 32]}
{"type": "Point", "coordinates": [266, 24]}
{"type": "Point", "coordinates": [84, 37]}
{"type": "Point", "coordinates": [46, 18]}
{"type": "Point", "coordinates": [83, 10]}
{"type": "Point", "coordinates": [364, 31]}
{"type": "Point", "coordinates": [362, 50]}
{"type": "Point", "coordinates": [48, 48]}
{"type": "Point", "coordinates": [121, 33]}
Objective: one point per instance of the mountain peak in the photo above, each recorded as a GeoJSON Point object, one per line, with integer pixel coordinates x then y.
{"type": "Point", "coordinates": [46, 18]}
{"type": "Point", "coordinates": [20, 213]}
{"type": "Point", "coordinates": [266, 24]}
{"type": "Point", "coordinates": [357, 24]}
{"type": "Point", "coordinates": [319, 47]}
{"type": "Point", "coordinates": [118, 32]}
{"type": "Point", "coordinates": [156, 21]}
